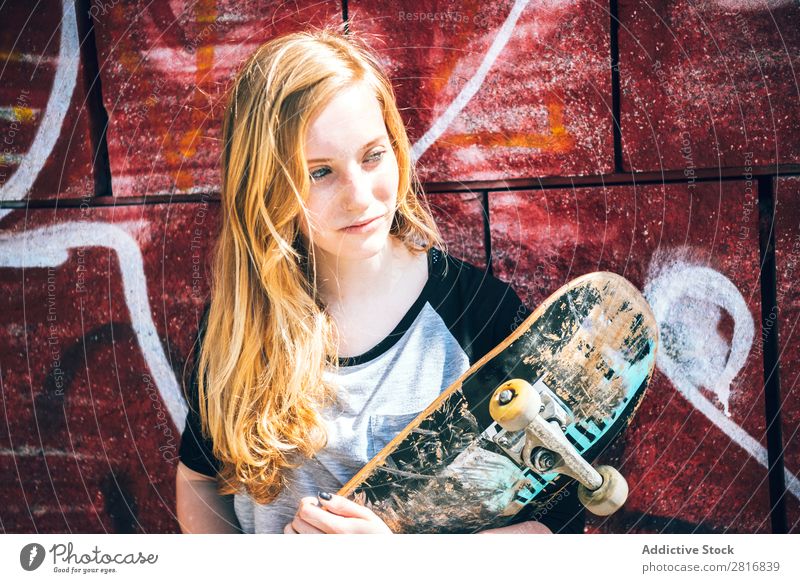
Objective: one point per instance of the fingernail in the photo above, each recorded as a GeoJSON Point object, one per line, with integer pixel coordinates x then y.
{"type": "Point", "coordinates": [325, 496]}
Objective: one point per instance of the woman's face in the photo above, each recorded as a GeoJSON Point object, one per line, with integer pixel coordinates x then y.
{"type": "Point", "coordinates": [354, 177]}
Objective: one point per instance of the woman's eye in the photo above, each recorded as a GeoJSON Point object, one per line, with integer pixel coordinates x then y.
{"type": "Point", "coordinates": [375, 156]}
{"type": "Point", "coordinates": [319, 173]}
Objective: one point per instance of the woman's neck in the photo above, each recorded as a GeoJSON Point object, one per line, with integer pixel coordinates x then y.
{"type": "Point", "coordinates": [343, 282]}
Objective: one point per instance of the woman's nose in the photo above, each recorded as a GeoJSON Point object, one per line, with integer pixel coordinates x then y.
{"type": "Point", "coordinates": [357, 190]}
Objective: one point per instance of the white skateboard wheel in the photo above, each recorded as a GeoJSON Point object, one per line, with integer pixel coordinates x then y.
{"type": "Point", "coordinates": [609, 497]}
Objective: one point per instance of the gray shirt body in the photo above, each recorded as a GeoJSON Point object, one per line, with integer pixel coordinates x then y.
{"type": "Point", "coordinates": [378, 399]}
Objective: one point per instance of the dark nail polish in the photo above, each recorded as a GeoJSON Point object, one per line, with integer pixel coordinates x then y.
{"type": "Point", "coordinates": [325, 496]}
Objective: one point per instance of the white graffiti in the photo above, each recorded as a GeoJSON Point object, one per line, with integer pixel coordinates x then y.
{"type": "Point", "coordinates": [49, 247]}
{"type": "Point", "coordinates": [57, 106]}
{"type": "Point", "coordinates": [473, 85]}
{"type": "Point", "coordinates": [752, 5]}
{"type": "Point", "coordinates": [688, 300]}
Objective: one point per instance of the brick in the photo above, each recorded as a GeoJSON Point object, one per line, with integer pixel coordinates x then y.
{"type": "Point", "coordinates": [542, 108]}
{"type": "Point", "coordinates": [708, 84]}
{"type": "Point", "coordinates": [460, 219]}
{"type": "Point", "coordinates": [165, 68]}
{"type": "Point", "coordinates": [45, 146]}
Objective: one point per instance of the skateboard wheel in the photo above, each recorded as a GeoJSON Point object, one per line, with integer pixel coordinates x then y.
{"type": "Point", "coordinates": [515, 404]}
{"type": "Point", "coordinates": [609, 497]}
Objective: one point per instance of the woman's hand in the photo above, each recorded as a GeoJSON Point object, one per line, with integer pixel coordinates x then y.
{"type": "Point", "coordinates": [334, 515]}
{"type": "Point", "coordinates": [529, 527]}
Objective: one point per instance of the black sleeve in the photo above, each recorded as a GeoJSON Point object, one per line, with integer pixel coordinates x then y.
{"type": "Point", "coordinates": [510, 314]}
{"type": "Point", "coordinates": [496, 312]}
{"type": "Point", "coordinates": [562, 512]}
{"type": "Point", "coordinates": [196, 450]}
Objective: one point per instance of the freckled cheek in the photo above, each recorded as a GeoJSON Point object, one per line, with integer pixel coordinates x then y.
{"type": "Point", "coordinates": [386, 187]}
{"type": "Point", "coordinates": [322, 212]}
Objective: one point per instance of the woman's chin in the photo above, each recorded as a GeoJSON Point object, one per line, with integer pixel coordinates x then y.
{"type": "Point", "coordinates": [355, 247]}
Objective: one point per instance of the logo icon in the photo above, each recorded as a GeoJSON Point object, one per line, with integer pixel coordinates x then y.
{"type": "Point", "coordinates": [31, 556]}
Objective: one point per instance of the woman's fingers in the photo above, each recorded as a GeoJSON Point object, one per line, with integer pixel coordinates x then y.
{"type": "Point", "coordinates": [318, 517]}
{"type": "Point", "coordinates": [529, 527]}
{"type": "Point", "coordinates": [301, 526]}
{"type": "Point", "coordinates": [343, 507]}
{"type": "Point", "coordinates": [336, 514]}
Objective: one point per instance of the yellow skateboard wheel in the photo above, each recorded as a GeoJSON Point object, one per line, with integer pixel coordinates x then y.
{"type": "Point", "coordinates": [515, 404]}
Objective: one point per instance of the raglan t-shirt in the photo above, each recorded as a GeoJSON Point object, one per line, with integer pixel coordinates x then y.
{"type": "Point", "coordinates": [461, 314]}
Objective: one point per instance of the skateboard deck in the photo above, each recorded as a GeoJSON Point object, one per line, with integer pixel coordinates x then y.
{"type": "Point", "coordinates": [588, 351]}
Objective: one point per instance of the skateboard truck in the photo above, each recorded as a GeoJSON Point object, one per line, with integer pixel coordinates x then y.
{"type": "Point", "coordinates": [517, 406]}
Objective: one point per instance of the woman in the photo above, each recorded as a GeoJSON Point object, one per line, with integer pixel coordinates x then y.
{"type": "Point", "coordinates": [335, 317]}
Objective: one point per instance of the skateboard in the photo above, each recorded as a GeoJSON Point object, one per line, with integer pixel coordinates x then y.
{"type": "Point", "coordinates": [524, 420]}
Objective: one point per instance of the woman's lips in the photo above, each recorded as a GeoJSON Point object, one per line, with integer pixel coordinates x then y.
{"type": "Point", "coordinates": [365, 226]}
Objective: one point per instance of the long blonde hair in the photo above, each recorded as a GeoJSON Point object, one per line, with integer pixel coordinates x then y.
{"type": "Point", "coordinates": [268, 339]}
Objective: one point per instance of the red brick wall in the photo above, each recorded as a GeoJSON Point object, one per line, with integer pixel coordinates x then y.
{"type": "Point", "coordinates": [656, 140]}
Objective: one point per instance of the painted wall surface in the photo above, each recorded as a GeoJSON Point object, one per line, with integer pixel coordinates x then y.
{"type": "Point", "coordinates": [164, 67]}
{"type": "Point", "coordinates": [499, 90]}
{"type": "Point", "coordinates": [100, 309]}
{"type": "Point", "coordinates": [708, 84]}
{"type": "Point", "coordinates": [45, 149]}
{"type": "Point", "coordinates": [784, 321]}
{"type": "Point", "coordinates": [677, 119]}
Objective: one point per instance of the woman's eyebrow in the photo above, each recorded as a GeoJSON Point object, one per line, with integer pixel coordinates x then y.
{"type": "Point", "coordinates": [361, 149]}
